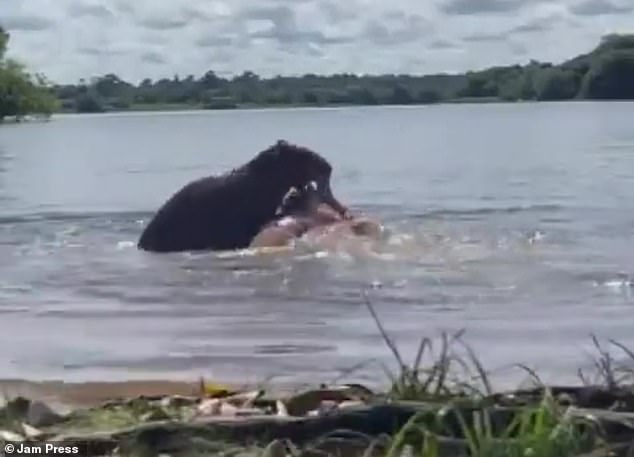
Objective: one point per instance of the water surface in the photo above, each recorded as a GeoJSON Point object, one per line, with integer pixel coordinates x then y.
{"type": "Point", "coordinates": [514, 222]}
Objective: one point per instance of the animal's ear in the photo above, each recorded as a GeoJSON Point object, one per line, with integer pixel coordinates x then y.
{"type": "Point", "coordinates": [292, 192]}
{"type": "Point", "coordinates": [310, 187]}
{"type": "Point", "coordinates": [268, 159]}
{"type": "Point", "coordinates": [284, 150]}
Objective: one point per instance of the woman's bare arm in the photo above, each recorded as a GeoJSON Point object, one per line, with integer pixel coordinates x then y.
{"type": "Point", "coordinates": [326, 215]}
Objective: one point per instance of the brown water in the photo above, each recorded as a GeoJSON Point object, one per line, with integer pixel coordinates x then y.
{"type": "Point", "coordinates": [512, 221]}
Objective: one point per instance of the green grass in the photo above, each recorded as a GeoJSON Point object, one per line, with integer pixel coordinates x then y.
{"type": "Point", "coordinates": [608, 371]}
{"type": "Point", "coordinates": [463, 415]}
{"type": "Point", "coordinates": [445, 374]}
{"type": "Point", "coordinates": [545, 429]}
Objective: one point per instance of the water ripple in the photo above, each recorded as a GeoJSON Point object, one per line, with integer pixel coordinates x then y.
{"type": "Point", "coordinates": [522, 237]}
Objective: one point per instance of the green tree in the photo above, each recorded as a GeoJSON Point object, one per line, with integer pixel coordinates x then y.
{"type": "Point", "coordinates": [429, 96]}
{"type": "Point", "coordinates": [210, 80]}
{"type": "Point", "coordinates": [616, 41]}
{"type": "Point", "coordinates": [111, 86]}
{"type": "Point", "coordinates": [4, 40]}
{"type": "Point", "coordinates": [611, 76]}
{"type": "Point", "coordinates": [401, 96]}
{"type": "Point", "coordinates": [605, 72]}
{"type": "Point", "coordinates": [362, 96]}
{"type": "Point", "coordinates": [556, 84]}
{"type": "Point", "coordinates": [20, 92]}
{"type": "Point", "coordinates": [89, 103]}
{"type": "Point", "coordinates": [479, 85]}
{"type": "Point", "coordinates": [309, 97]}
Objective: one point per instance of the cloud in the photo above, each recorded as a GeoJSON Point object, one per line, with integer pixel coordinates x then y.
{"type": "Point", "coordinates": [100, 51]}
{"type": "Point", "coordinates": [163, 23]}
{"type": "Point", "coordinates": [171, 15]}
{"type": "Point", "coordinates": [396, 27]}
{"type": "Point", "coordinates": [280, 15]}
{"type": "Point", "coordinates": [152, 57]}
{"type": "Point", "coordinates": [26, 23]}
{"type": "Point", "coordinates": [338, 12]}
{"type": "Point", "coordinates": [124, 6]}
{"type": "Point", "coordinates": [72, 39]}
{"type": "Point", "coordinates": [467, 7]}
{"type": "Point", "coordinates": [221, 56]}
{"type": "Point", "coordinates": [486, 37]}
{"type": "Point", "coordinates": [518, 49]}
{"type": "Point", "coordinates": [600, 7]}
{"type": "Point", "coordinates": [81, 9]}
{"type": "Point", "coordinates": [538, 24]}
{"type": "Point", "coordinates": [280, 24]}
{"type": "Point", "coordinates": [213, 41]}
{"type": "Point", "coordinates": [442, 44]}
{"type": "Point", "coordinates": [530, 27]}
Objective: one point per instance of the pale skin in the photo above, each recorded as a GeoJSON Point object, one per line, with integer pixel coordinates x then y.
{"type": "Point", "coordinates": [319, 220]}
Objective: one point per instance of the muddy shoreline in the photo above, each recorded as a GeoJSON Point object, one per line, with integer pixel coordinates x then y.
{"type": "Point", "coordinates": [442, 404]}
{"type": "Point", "coordinates": [189, 418]}
{"type": "Point", "coordinates": [71, 395]}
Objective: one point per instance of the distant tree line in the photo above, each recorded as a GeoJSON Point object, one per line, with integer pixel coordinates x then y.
{"type": "Point", "coordinates": [211, 91]}
{"type": "Point", "coordinates": [20, 92]}
{"type": "Point", "coordinates": [606, 73]}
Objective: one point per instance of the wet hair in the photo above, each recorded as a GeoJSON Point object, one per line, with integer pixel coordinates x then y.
{"type": "Point", "coordinates": [298, 200]}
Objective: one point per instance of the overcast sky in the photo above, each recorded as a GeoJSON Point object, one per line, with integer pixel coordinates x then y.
{"type": "Point", "coordinates": [71, 39]}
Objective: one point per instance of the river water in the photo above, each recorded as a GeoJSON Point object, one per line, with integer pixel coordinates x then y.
{"type": "Point", "coordinates": [511, 221]}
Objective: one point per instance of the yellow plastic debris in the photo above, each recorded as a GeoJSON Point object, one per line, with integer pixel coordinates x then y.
{"type": "Point", "coordinates": [215, 390]}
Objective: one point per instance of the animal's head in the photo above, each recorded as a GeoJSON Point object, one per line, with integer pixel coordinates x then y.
{"type": "Point", "coordinates": [286, 165]}
{"type": "Point", "coordinates": [298, 201]}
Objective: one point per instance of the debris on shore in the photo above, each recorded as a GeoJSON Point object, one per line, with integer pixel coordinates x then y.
{"type": "Point", "coordinates": [341, 420]}
{"type": "Point", "coordinates": [441, 405]}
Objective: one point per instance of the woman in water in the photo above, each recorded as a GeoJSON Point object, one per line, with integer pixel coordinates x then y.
{"type": "Point", "coordinates": [302, 214]}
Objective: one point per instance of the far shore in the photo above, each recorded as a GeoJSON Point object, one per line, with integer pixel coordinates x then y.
{"type": "Point", "coordinates": [180, 108]}
{"type": "Point", "coordinates": [262, 107]}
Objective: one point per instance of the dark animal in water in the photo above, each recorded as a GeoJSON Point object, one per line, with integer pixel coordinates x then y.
{"type": "Point", "coordinates": [225, 212]}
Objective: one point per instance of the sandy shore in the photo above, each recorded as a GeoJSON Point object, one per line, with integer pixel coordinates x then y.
{"type": "Point", "coordinates": [69, 395]}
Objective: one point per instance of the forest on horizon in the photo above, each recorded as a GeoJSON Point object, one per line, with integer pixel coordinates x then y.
{"type": "Point", "coordinates": [605, 73]}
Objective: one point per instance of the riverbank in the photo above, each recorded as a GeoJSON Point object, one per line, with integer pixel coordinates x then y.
{"type": "Point", "coordinates": [179, 107]}
{"type": "Point", "coordinates": [426, 412]}
{"type": "Point", "coordinates": [166, 107]}
{"type": "Point", "coordinates": [183, 107]}
{"type": "Point", "coordinates": [441, 404]}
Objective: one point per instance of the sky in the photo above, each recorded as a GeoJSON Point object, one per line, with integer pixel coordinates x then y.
{"type": "Point", "coordinates": [72, 39]}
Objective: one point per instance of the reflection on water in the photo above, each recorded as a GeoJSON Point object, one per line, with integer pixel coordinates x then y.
{"type": "Point", "coordinates": [527, 247]}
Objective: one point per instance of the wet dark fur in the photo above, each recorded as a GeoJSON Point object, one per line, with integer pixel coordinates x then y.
{"type": "Point", "coordinates": [225, 212]}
